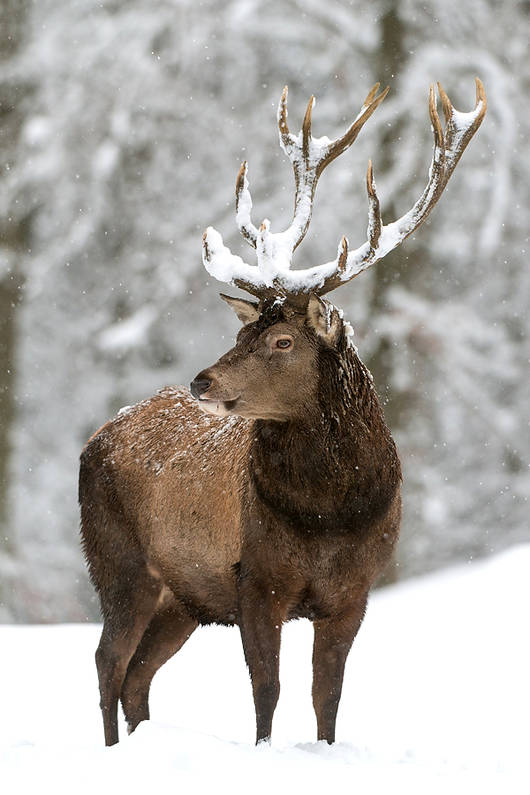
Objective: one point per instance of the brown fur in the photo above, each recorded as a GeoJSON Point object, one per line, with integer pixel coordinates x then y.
{"type": "Point", "coordinates": [286, 506]}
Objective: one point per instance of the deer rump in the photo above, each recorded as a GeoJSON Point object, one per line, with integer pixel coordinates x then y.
{"type": "Point", "coordinates": [272, 491]}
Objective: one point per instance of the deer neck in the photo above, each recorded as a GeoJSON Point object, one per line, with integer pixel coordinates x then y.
{"type": "Point", "coordinates": [333, 469]}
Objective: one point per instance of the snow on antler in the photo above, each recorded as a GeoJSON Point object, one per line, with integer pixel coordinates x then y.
{"type": "Point", "coordinates": [309, 156]}
{"type": "Point", "coordinates": [244, 207]}
{"type": "Point", "coordinates": [227, 267]}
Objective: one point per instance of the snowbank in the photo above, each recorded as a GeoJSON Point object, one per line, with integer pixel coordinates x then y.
{"type": "Point", "coordinates": [435, 700]}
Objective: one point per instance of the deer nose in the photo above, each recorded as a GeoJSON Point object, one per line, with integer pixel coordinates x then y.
{"type": "Point", "coordinates": [198, 386]}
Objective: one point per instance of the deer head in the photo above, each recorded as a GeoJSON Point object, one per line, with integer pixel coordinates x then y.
{"type": "Point", "coordinates": [291, 322]}
{"type": "Point", "coordinates": [272, 373]}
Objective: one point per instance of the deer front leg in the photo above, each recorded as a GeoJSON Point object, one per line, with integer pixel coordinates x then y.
{"type": "Point", "coordinates": [260, 624]}
{"type": "Point", "coordinates": [333, 640]}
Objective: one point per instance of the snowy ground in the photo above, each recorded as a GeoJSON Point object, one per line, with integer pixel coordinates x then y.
{"type": "Point", "coordinates": [436, 700]}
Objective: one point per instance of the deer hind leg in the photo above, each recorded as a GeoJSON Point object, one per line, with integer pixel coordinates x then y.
{"type": "Point", "coordinates": [333, 640]}
{"type": "Point", "coordinates": [127, 610]}
{"type": "Point", "coordinates": [166, 633]}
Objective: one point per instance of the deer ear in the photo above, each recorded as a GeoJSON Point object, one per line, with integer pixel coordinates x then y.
{"type": "Point", "coordinates": [247, 311]}
{"type": "Point", "coordinates": [323, 318]}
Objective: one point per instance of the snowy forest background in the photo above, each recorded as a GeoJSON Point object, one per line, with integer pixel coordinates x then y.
{"type": "Point", "coordinates": [122, 127]}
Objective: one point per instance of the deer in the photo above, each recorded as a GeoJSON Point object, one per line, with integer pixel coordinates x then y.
{"type": "Point", "coordinates": [271, 490]}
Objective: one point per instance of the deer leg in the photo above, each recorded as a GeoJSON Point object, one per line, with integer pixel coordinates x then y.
{"type": "Point", "coordinates": [122, 631]}
{"type": "Point", "coordinates": [333, 640]}
{"type": "Point", "coordinates": [260, 624]}
{"type": "Point", "coordinates": [166, 634]}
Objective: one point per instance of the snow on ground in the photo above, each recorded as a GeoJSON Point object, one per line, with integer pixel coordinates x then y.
{"type": "Point", "coordinates": [436, 700]}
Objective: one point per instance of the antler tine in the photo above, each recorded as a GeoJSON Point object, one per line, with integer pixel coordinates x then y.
{"type": "Point", "coordinates": [282, 114]}
{"type": "Point", "coordinates": [244, 207]}
{"type": "Point", "coordinates": [310, 156]}
{"type": "Point", "coordinates": [446, 103]}
{"type": "Point", "coordinates": [306, 128]}
{"type": "Point", "coordinates": [374, 211]}
{"type": "Point", "coordinates": [458, 135]}
{"type": "Point", "coordinates": [342, 255]}
{"type": "Point", "coordinates": [448, 149]}
{"type": "Point", "coordinates": [229, 268]}
{"type": "Point", "coordinates": [370, 104]}
{"type": "Point", "coordinates": [435, 119]}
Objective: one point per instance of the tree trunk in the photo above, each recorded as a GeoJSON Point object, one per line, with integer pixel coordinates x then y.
{"type": "Point", "coordinates": [390, 60]}
{"type": "Point", "coordinates": [13, 239]}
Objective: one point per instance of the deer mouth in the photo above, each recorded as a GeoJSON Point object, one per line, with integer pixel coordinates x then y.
{"type": "Point", "coordinates": [219, 408]}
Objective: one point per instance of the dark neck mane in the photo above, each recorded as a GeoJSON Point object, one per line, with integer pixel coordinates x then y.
{"type": "Point", "coordinates": [337, 470]}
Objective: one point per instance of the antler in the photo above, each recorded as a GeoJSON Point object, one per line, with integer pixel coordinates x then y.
{"type": "Point", "coordinates": [448, 149]}
{"type": "Point", "coordinates": [309, 156]}
{"type": "Point", "coordinates": [272, 275]}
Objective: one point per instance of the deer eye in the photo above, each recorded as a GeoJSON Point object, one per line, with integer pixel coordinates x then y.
{"type": "Point", "coordinates": [283, 343]}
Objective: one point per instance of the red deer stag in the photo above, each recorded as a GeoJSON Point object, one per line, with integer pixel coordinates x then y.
{"type": "Point", "coordinates": [272, 492]}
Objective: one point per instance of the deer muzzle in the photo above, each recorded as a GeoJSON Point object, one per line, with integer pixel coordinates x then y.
{"type": "Point", "coordinates": [210, 397]}
{"type": "Point", "coordinates": [199, 385]}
